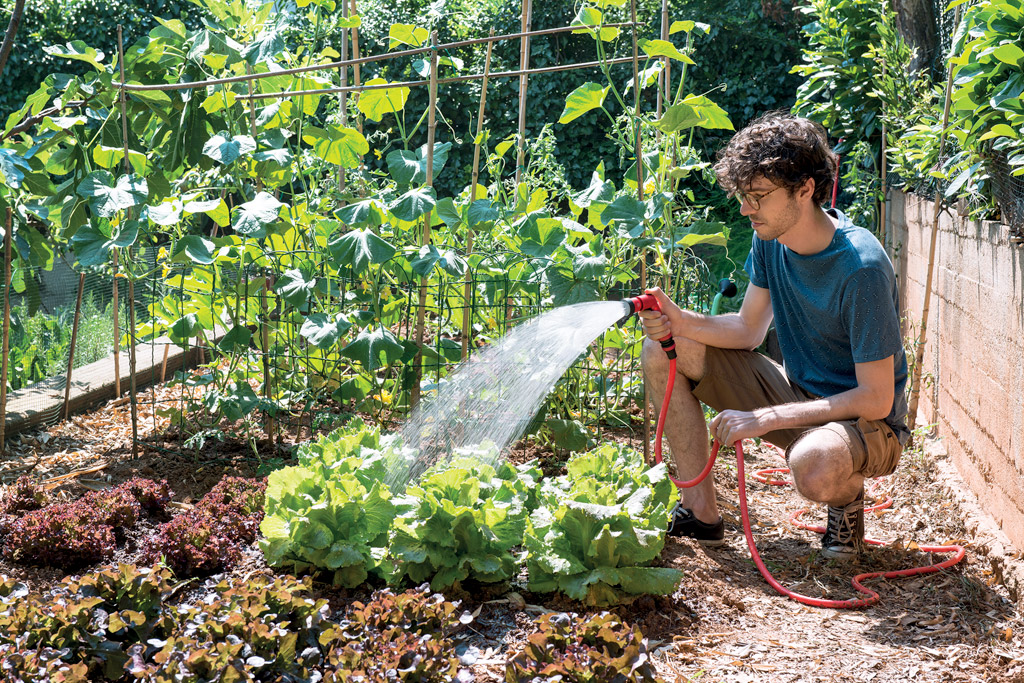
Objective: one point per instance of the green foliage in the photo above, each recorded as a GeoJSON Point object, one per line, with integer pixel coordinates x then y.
{"type": "Point", "coordinates": [461, 520]}
{"type": "Point", "coordinates": [576, 649]}
{"type": "Point", "coordinates": [597, 529]}
{"type": "Point", "coordinates": [987, 103]}
{"type": "Point", "coordinates": [840, 68]}
{"type": "Point", "coordinates": [333, 511]}
{"type": "Point", "coordinates": [40, 342]}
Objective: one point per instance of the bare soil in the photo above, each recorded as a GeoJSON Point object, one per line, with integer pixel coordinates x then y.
{"type": "Point", "coordinates": [724, 623]}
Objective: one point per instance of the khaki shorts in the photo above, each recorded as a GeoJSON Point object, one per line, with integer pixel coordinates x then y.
{"type": "Point", "coordinates": [745, 380]}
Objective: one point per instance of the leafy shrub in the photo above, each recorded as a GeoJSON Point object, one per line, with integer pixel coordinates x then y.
{"type": "Point", "coordinates": [461, 520]}
{"type": "Point", "coordinates": [332, 511]}
{"type": "Point", "coordinates": [192, 545]}
{"type": "Point", "coordinates": [21, 496]}
{"type": "Point", "coordinates": [574, 649]}
{"type": "Point", "coordinates": [599, 526]}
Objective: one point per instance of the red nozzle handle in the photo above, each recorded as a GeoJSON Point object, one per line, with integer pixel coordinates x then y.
{"type": "Point", "coordinates": [647, 302]}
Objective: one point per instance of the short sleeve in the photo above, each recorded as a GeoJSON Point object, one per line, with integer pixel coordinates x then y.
{"type": "Point", "coordinates": [869, 311]}
{"type": "Point", "coordinates": [755, 264]}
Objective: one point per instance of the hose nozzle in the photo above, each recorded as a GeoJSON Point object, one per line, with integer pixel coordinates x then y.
{"type": "Point", "coordinates": [647, 302]}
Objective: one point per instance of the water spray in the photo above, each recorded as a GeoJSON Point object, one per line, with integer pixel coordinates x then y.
{"type": "Point", "coordinates": [727, 288]}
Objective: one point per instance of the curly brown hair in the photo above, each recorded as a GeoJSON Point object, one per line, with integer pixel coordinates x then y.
{"type": "Point", "coordinates": [785, 149]}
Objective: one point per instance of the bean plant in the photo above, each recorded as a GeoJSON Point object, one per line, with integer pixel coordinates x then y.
{"type": "Point", "coordinates": [299, 266]}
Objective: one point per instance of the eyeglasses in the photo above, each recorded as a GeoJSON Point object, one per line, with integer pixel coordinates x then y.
{"type": "Point", "coordinates": [753, 200]}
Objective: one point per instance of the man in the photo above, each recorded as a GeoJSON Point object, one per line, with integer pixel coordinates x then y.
{"type": "Point", "coordinates": [837, 406]}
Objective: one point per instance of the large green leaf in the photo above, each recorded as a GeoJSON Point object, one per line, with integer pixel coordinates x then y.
{"type": "Point", "coordinates": [695, 111]}
{"type": "Point", "coordinates": [663, 48]}
{"type": "Point", "coordinates": [78, 50]}
{"type": "Point", "coordinates": [373, 344]}
{"type": "Point", "coordinates": [225, 148]}
{"type": "Point", "coordinates": [12, 168]}
{"type": "Point", "coordinates": [323, 330]}
{"type": "Point", "coordinates": [267, 45]}
{"type": "Point", "coordinates": [374, 104]}
{"type": "Point", "coordinates": [250, 217]}
{"type": "Point", "coordinates": [585, 98]}
{"type": "Point", "coordinates": [406, 34]}
{"type": "Point", "coordinates": [403, 166]}
{"type": "Point", "coordinates": [358, 248]}
{"type": "Point", "coordinates": [194, 248]}
{"type": "Point", "coordinates": [626, 213]}
{"type": "Point", "coordinates": [414, 204]}
{"type": "Point", "coordinates": [365, 212]}
{"type": "Point", "coordinates": [93, 241]}
{"type": "Point", "coordinates": [107, 197]}
{"type": "Point", "coordinates": [297, 284]}
{"type": "Point", "coordinates": [337, 145]}
{"type": "Point", "coordinates": [430, 257]}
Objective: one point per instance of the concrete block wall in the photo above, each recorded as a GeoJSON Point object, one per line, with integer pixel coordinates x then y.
{"type": "Point", "coordinates": [973, 384]}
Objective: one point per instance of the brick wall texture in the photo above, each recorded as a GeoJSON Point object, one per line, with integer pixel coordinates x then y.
{"type": "Point", "coordinates": [972, 388]}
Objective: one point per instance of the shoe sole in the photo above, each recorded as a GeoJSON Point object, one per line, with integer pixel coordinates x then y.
{"type": "Point", "coordinates": [842, 556]}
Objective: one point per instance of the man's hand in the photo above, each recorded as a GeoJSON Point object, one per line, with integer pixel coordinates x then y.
{"type": "Point", "coordinates": [730, 426]}
{"type": "Point", "coordinates": [664, 323]}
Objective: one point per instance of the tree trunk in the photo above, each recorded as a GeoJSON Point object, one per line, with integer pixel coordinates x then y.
{"type": "Point", "coordinates": [12, 29]}
{"type": "Point", "coordinates": [915, 20]}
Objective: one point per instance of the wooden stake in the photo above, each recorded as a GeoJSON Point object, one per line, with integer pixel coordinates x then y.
{"type": "Point", "coordinates": [524, 64]}
{"type": "Point", "coordinates": [421, 311]}
{"type": "Point", "coordinates": [71, 351]}
{"type": "Point", "coordinates": [915, 382]}
{"type": "Point", "coordinates": [467, 329]}
{"type": "Point", "coordinates": [882, 227]}
{"type": "Point", "coordinates": [665, 81]}
{"type": "Point", "coordinates": [8, 227]}
{"type": "Point", "coordinates": [637, 142]}
{"type": "Point", "coordinates": [265, 339]}
{"type": "Point", "coordinates": [131, 283]}
{"type": "Point", "coordinates": [355, 68]}
{"type": "Point", "coordinates": [117, 328]}
{"type": "Point", "coordinates": [252, 119]}
{"type": "Point", "coordinates": [343, 96]}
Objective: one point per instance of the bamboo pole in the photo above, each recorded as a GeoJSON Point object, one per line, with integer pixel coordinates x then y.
{"type": "Point", "coordinates": [265, 340]}
{"type": "Point", "coordinates": [881, 205]}
{"type": "Point", "coordinates": [355, 62]}
{"type": "Point", "coordinates": [421, 311]}
{"type": "Point", "coordinates": [524, 82]}
{"type": "Point", "coordinates": [71, 351]}
{"type": "Point", "coordinates": [441, 81]}
{"type": "Point", "coordinates": [131, 283]}
{"type": "Point", "coordinates": [664, 79]}
{"type": "Point", "coordinates": [117, 326]}
{"type": "Point", "coordinates": [343, 96]}
{"type": "Point", "coordinates": [8, 227]}
{"type": "Point", "coordinates": [915, 382]}
{"type": "Point", "coordinates": [467, 328]}
{"type": "Point", "coordinates": [252, 118]}
{"type": "Point", "coordinates": [356, 76]}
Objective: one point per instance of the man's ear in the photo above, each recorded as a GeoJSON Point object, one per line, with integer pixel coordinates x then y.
{"type": "Point", "coordinates": [806, 191]}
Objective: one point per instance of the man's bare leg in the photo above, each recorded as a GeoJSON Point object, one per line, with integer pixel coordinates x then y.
{"type": "Point", "coordinates": [685, 427]}
{"type": "Point", "coordinates": [822, 468]}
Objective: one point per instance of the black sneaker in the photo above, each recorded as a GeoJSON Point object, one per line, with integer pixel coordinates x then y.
{"type": "Point", "coordinates": [844, 537]}
{"type": "Point", "coordinates": [683, 523]}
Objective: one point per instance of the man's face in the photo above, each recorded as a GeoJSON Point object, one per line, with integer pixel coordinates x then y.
{"type": "Point", "coordinates": [772, 210]}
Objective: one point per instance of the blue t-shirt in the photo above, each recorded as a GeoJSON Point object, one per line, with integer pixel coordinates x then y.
{"type": "Point", "coordinates": [833, 309]}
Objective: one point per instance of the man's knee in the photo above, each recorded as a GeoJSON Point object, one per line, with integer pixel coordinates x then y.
{"type": "Point", "coordinates": [819, 461]}
{"type": "Point", "coordinates": [690, 357]}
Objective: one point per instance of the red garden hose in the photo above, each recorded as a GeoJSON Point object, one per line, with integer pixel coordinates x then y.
{"type": "Point", "coordinates": [805, 599]}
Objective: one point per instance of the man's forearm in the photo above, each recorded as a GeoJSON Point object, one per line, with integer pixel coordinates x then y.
{"type": "Point", "coordinates": [726, 331]}
{"type": "Point", "coordinates": [848, 405]}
